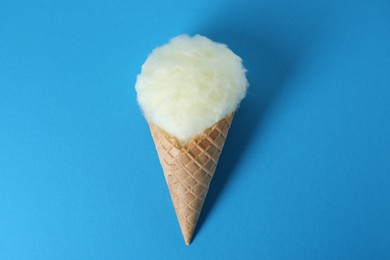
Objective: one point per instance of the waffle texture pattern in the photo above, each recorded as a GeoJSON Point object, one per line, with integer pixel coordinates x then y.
{"type": "Point", "coordinates": [189, 168]}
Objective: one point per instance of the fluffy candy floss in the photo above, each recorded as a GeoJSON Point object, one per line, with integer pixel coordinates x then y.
{"type": "Point", "coordinates": [189, 84]}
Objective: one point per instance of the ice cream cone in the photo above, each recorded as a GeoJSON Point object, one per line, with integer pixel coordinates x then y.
{"type": "Point", "coordinates": [189, 168]}
{"type": "Point", "coordinates": [188, 90]}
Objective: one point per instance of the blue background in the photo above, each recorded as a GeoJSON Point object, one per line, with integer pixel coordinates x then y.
{"type": "Point", "coordinates": [305, 173]}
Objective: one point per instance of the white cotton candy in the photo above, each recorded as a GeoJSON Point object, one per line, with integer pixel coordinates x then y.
{"type": "Point", "coordinates": [189, 84]}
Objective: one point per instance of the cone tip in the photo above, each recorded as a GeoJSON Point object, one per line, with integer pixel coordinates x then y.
{"type": "Point", "coordinates": [187, 241]}
{"type": "Point", "coordinates": [187, 238]}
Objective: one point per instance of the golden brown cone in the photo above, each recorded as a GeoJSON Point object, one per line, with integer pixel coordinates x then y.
{"type": "Point", "coordinates": [189, 168]}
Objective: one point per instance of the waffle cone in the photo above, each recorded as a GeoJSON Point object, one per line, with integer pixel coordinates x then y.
{"type": "Point", "coordinates": [189, 168]}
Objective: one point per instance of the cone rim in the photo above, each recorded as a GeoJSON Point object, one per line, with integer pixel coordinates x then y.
{"type": "Point", "coordinates": [180, 145]}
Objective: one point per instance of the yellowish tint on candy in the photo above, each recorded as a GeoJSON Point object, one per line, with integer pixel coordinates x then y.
{"type": "Point", "coordinates": [189, 84]}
